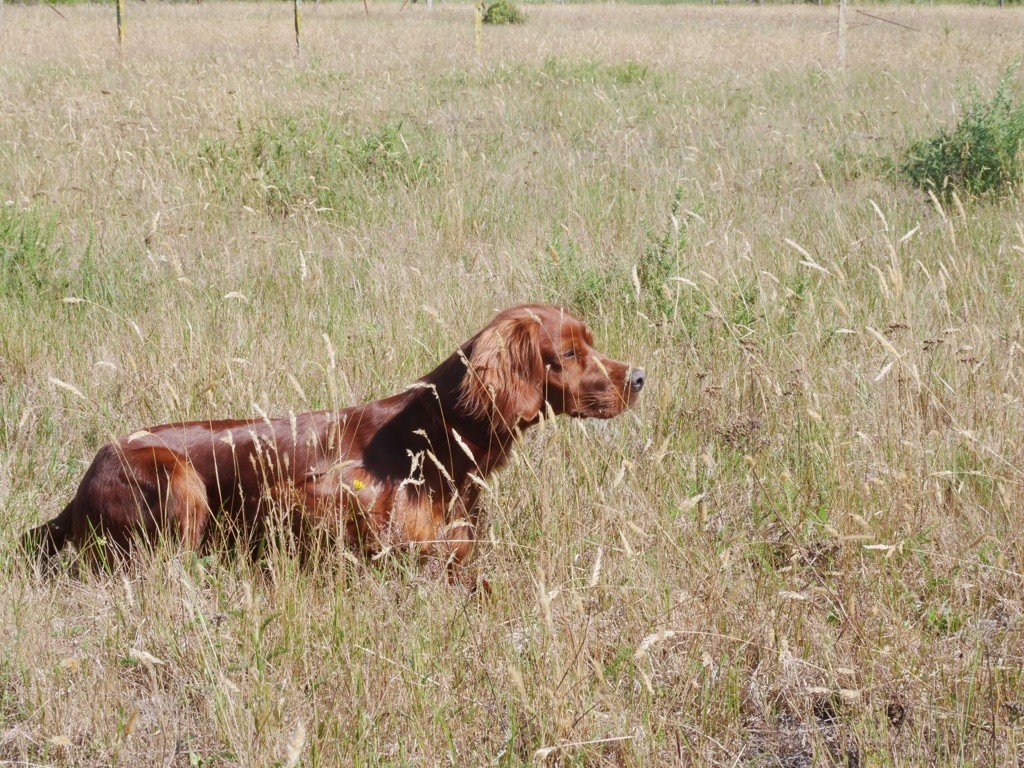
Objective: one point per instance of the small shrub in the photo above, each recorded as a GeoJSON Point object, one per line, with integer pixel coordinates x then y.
{"type": "Point", "coordinates": [503, 12]}
{"type": "Point", "coordinates": [983, 153]}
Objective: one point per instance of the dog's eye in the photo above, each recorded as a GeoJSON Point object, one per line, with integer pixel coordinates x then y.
{"type": "Point", "coordinates": [569, 354]}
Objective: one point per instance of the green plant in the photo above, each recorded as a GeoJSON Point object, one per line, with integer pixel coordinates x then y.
{"type": "Point", "coordinates": [628, 73]}
{"type": "Point", "coordinates": [581, 283]}
{"type": "Point", "coordinates": [503, 12]}
{"type": "Point", "coordinates": [982, 153]}
{"type": "Point", "coordinates": [288, 164]}
{"type": "Point", "coordinates": [28, 254]}
{"type": "Point", "coordinates": [660, 261]}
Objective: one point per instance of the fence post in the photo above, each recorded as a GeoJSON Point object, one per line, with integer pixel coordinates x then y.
{"type": "Point", "coordinates": [841, 50]}
{"type": "Point", "coordinates": [478, 26]}
{"type": "Point", "coordinates": [297, 6]}
{"type": "Point", "coordinates": [120, 22]}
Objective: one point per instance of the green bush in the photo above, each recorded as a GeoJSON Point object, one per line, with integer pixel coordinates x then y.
{"type": "Point", "coordinates": [983, 153]}
{"type": "Point", "coordinates": [503, 12]}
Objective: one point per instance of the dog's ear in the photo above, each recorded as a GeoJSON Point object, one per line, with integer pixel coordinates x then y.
{"type": "Point", "coordinates": [505, 376]}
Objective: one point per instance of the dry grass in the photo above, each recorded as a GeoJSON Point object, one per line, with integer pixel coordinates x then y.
{"type": "Point", "coordinates": [803, 548]}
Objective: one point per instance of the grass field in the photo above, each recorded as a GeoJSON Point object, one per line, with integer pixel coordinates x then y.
{"type": "Point", "coordinates": [804, 547]}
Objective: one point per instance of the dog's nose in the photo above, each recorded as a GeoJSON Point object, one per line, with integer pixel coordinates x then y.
{"type": "Point", "coordinates": [637, 377]}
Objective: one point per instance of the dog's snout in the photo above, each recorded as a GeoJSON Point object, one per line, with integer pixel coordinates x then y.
{"type": "Point", "coordinates": [637, 377]}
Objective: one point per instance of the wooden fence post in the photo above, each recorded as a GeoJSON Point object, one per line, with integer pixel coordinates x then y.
{"type": "Point", "coordinates": [841, 49]}
{"type": "Point", "coordinates": [478, 26]}
{"type": "Point", "coordinates": [120, 22]}
{"type": "Point", "coordinates": [297, 6]}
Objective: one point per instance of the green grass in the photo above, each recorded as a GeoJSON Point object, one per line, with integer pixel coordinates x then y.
{"type": "Point", "coordinates": [30, 259]}
{"type": "Point", "coordinates": [286, 166]}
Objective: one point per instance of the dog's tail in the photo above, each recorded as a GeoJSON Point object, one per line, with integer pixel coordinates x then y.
{"type": "Point", "coordinates": [45, 541]}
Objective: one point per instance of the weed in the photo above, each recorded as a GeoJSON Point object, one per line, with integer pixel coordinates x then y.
{"type": "Point", "coordinates": [745, 311]}
{"type": "Point", "coordinates": [289, 165]}
{"type": "Point", "coordinates": [626, 73]}
{"type": "Point", "coordinates": [29, 255]}
{"type": "Point", "coordinates": [983, 153]}
{"type": "Point", "coordinates": [318, 75]}
{"type": "Point", "coordinates": [503, 12]}
{"type": "Point", "coordinates": [660, 261]}
{"type": "Point", "coordinates": [943, 621]}
{"type": "Point", "coordinates": [581, 284]}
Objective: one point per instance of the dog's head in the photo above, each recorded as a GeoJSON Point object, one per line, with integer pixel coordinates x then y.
{"type": "Point", "coordinates": [532, 354]}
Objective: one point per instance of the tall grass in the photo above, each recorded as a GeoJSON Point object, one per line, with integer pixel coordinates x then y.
{"type": "Point", "coordinates": [802, 548]}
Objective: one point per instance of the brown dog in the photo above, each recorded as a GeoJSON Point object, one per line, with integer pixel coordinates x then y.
{"type": "Point", "coordinates": [401, 472]}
